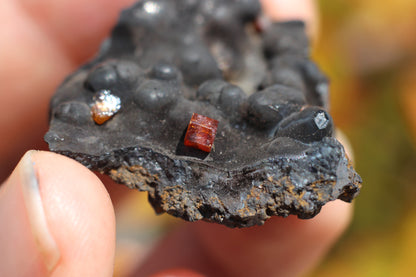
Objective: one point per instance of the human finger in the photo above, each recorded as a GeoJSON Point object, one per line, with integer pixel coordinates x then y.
{"type": "Point", "coordinates": [57, 220]}
{"type": "Point", "coordinates": [42, 42]}
{"type": "Point", "coordinates": [305, 10]}
{"type": "Point", "coordinates": [282, 247]}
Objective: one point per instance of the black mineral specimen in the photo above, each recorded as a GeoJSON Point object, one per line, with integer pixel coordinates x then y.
{"type": "Point", "coordinates": [274, 151]}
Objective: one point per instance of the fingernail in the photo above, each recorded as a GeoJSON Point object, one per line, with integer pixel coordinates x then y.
{"type": "Point", "coordinates": [36, 213]}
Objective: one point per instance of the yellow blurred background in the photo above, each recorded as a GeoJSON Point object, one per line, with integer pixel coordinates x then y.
{"type": "Point", "coordinates": [367, 49]}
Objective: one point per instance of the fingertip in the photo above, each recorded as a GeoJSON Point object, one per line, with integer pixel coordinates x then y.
{"type": "Point", "coordinates": [79, 214]}
{"type": "Point", "coordinates": [57, 220]}
{"type": "Point", "coordinates": [335, 216]}
{"type": "Point", "coordinates": [281, 247]}
{"type": "Point", "coordinates": [283, 10]}
{"type": "Point", "coordinates": [346, 143]}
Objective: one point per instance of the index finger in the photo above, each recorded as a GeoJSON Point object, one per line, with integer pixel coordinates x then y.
{"type": "Point", "coordinates": [305, 10]}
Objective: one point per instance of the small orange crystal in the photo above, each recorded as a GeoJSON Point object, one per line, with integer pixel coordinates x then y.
{"type": "Point", "coordinates": [201, 132]}
{"type": "Point", "coordinates": [98, 117]}
{"type": "Point", "coordinates": [105, 105]}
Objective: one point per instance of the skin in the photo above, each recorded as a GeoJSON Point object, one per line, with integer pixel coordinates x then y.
{"type": "Point", "coordinates": [44, 41]}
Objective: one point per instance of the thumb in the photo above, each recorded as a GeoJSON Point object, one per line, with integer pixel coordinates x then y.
{"type": "Point", "coordinates": [56, 220]}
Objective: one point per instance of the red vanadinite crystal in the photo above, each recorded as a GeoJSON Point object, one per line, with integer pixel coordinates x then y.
{"type": "Point", "coordinates": [201, 132]}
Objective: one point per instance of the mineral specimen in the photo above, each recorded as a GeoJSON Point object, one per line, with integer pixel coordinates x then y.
{"type": "Point", "coordinates": [274, 152]}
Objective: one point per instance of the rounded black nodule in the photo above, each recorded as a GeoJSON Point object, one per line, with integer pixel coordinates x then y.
{"type": "Point", "coordinates": [101, 77]}
{"type": "Point", "coordinates": [268, 107]}
{"type": "Point", "coordinates": [164, 71]}
{"type": "Point", "coordinates": [310, 124]}
{"type": "Point", "coordinates": [73, 112]}
{"type": "Point", "coordinates": [153, 95]}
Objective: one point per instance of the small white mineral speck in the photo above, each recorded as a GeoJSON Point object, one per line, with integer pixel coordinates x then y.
{"type": "Point", "coordinates": [105, 105]}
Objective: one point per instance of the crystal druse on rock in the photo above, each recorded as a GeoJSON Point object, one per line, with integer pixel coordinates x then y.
{"type": "Point", "coordinates": [127, 111]}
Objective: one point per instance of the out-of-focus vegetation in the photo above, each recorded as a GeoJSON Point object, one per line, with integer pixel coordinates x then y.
{"type": "Point", "coordinates": [368, 48]}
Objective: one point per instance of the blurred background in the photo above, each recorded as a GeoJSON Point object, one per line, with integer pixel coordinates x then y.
{"type": "Point", "coordinates": [367, 49]}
